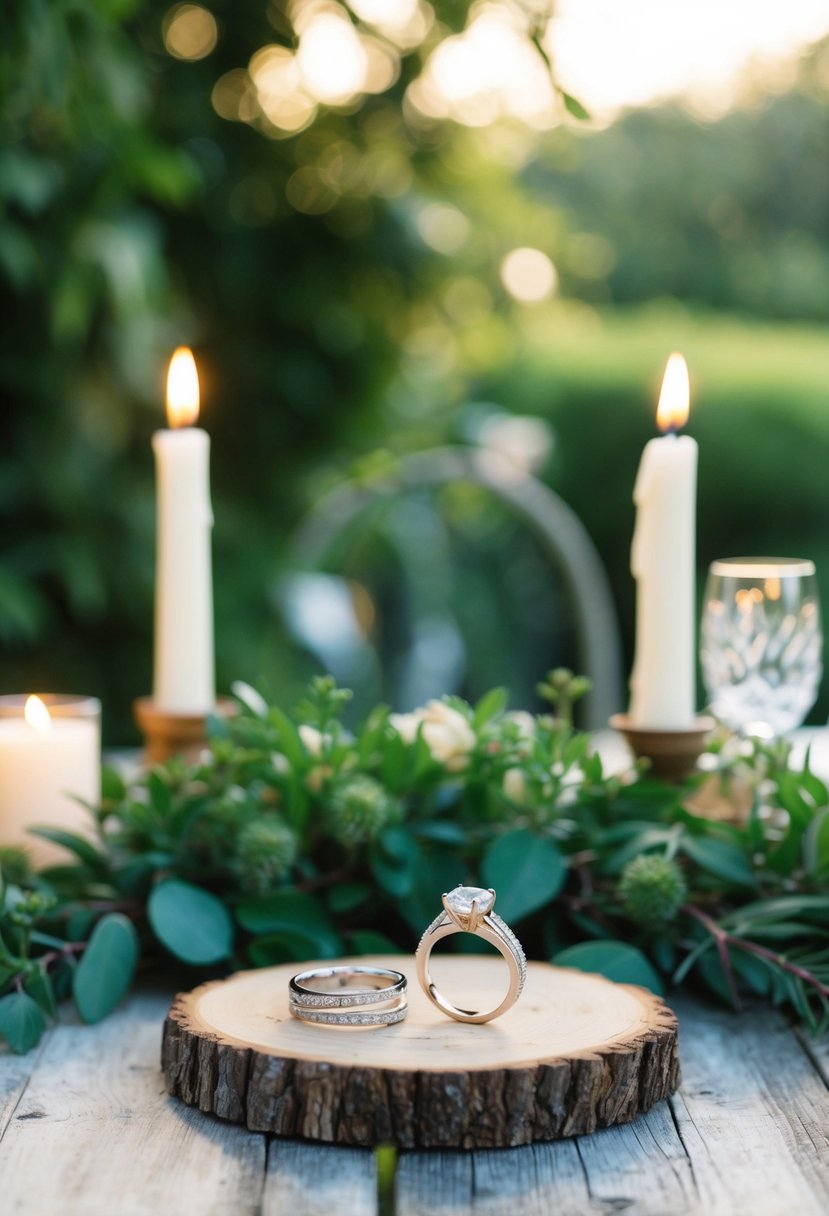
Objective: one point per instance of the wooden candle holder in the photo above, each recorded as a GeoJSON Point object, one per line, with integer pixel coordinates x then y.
{"type": "Point", "coordinates": [673, 753]}
{"type": "Point", "coordinates": [168, 734]}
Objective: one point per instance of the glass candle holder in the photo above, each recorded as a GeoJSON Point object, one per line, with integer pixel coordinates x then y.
{"type": "Point", "coordinates": [50, 756]}
{"type": "Point", "coordinates": [761, 643]}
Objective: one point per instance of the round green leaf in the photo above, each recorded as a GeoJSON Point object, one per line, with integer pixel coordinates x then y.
{"type": "Point", "coordinates": [615, 960]}
{"type": "Point", "coordinates": [721, 858]}
{"type": "Point", "coordinates": [292, 913]}
{"type": "Point", "coordinates": [22, 1022]}
{"type": "Point", "coordinates": [192, 924]}
{"type": "Point", "coordinates": [526, 870]}
{"type": "Point", "coordinates": [107, 966]}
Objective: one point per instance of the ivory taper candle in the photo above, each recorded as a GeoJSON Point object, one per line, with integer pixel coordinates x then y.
{"type": "Point", "coordinates": [662, 562]}
{"type": "Point", "coordinates": [184, 680]}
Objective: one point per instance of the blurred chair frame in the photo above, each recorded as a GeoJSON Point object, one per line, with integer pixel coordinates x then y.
{"type": "Point", "coordinates": [560, 532]}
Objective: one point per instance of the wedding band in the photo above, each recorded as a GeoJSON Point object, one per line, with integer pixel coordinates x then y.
{"type": "Point", "coordinates": [469, 910]}
{"type": "Point", "coordinates": [352, 1017]}
{"type": "Point", "coordinates": [341, 987]}
{"type": "Point", "coordinates": [338, 996]}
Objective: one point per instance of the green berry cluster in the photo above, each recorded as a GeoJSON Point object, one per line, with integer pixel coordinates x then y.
{"type": "Point", "coordinates": [652, 890]}
{"type": "Point", "coordinates": [358, 810]}
{"type": "Point", "coordinates": [266, 849]}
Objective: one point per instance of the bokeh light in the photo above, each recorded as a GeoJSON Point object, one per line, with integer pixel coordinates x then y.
{"type": "Point", "coordinates": [489, 71]}
{"type": "Point", "coordinates": [332, 60]}
{"type": "Point", "coordinates": [443, 227]}
{"type": "Point", "coordinates": [189, 31]}
{"type": "Point", "coordinates": [285, 104]}
{"type": "Point", "coordinates": [528, 275]}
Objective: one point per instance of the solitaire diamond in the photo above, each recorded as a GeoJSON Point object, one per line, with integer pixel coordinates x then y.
{"type": "Point", "coordinates": [460, 900]}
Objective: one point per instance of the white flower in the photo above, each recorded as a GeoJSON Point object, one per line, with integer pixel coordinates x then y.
{"type": "Point", "coordinates": [515, 785]}
{"type": "Point", "coordinates": [312, 739]}
{"type": "Point", "coordinates": [407, 725]}
{"type": "Point", "coordinates": [448, 735]}
{"type": "Point", "coordinates": [524, 721]}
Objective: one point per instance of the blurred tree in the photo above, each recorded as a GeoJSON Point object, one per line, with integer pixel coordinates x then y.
{"type": "Point", "coordinates": [286, 186]}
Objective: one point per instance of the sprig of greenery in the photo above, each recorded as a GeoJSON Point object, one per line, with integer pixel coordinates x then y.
{"type": "Point", "coordinates": [296, 837]}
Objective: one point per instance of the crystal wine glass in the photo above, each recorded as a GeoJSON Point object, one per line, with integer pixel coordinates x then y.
{"type": "Point", "coordinates": [761, 643]}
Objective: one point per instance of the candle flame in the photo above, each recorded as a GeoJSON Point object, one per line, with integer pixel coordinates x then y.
{"type": "Point", "coordinates": [37, 715]}
{"type": "Point", "coordinates": [182, 389]}
{"type": "Point", "coordinates": [674, 400]}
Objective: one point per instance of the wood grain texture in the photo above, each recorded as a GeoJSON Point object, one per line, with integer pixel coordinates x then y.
{"type": "Point", "coordinates": [746, 1133]}
{"type": "Point", "coordinates": [753, 1115]}
{"type": "Point", "coordinates": [89, 1132]}
{"type": "Point", "coordinates": [577, 1052]}
{"type": "Point", "coordinates": [95, 1135]}
{"type": "Point", "coordinates": [319, 1180]}
{"type": "Point", "coordinates": [15, 1072]}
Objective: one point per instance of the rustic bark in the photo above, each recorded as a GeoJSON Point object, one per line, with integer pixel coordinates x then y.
{"type": "Point", "coordinates": [576, 1053]}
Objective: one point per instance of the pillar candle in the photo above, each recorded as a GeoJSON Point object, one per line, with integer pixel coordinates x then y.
{"type": "Point", "coordinates": [663, 562]}
{"type": "Point", "coordinates": [184, 679]}
{"type": "Point", "coordinates": [47, 761]}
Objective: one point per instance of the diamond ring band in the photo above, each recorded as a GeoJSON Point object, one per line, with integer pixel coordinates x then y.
{"type": "Point", "coordinates": [376, 996]}
{"type": "Point", "coordinates": [470, 910]}
{"type": "Point", "coordinates": [349, 996]}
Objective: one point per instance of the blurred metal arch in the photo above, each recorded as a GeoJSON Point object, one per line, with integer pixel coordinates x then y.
{"type": "Point", "coordinates": [560, 532]}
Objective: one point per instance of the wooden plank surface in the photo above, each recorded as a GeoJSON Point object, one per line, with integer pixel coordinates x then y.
{"type": "Point", "coordinates": [753, 1114]}
{"type": "Point", "coordinates": [15, 1072]}
{"type": "Point", "coordinates": [319, 1180]}
{"type": "Point", "coordinates": [745, 1136]}
{"type": "Point", "coordinates": [95, 1134]}
{"type": "Point", "coordinates": [87, 1130]}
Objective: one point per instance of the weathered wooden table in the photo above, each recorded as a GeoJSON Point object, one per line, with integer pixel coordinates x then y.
{"type": "Point", "coordinates": [86, 1129]}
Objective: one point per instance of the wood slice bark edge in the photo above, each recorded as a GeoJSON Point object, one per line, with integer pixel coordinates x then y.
{"type": "Point", "coordinates": [477, 1107]}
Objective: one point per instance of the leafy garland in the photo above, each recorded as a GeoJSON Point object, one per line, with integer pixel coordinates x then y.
{"type": "Point", "coordinates": [295, 839]}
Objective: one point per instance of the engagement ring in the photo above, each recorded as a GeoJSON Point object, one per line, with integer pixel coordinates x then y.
{"type": "Point", "coordinates": [339, 996]}
{"type": "Point", "coordinates": [469, 910]}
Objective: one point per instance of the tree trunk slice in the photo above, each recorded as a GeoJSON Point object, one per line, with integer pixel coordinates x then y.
{"type": "Point", "coordinates": [575, 1053]}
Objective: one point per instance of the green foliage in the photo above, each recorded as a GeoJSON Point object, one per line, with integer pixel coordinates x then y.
{"type": "Point", "coordinates": [199, 860]}
{"type": "Point", "coordinates": [22, 1021]}
{"type": "Point", "coordinates": [615, 960]}
{"type": "Point", "coordinates": [527, 871]}
{"type": "Point", "coordinates": [652, 890]}
{"type": "Point", "coordinates": [106, 968]}
{"type": "Point", "coordinates": [193, 924]}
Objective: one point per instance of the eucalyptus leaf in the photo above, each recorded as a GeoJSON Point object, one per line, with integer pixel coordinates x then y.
{"type": "Point", "coordinates": [292, 913]}
{"type": "Point", "coordinates": [191, 923]}
{"type": "Point", "coordinates": [369, 941]}
{"type": "Point", "coordinates": [290, 945]}
{"type": "Point", "coordinates": [39, 987]}
{"type": "Point", "coordinates": [106, 969]}
{"type": "Point", "coordinates": [393, 860]}
{"type": "Point", "coordinates": [720, 858]}
{"type": "Point", "coordinates": [526, 870]}
{"type": "Point", "coordinates": [22, 1022]}
{"type": "Point", "coordinates": [615, 960]}
{"type": "Point", "coordinates": [348, 895]}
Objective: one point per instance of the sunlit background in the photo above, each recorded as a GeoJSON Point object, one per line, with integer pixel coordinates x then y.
{"type": "Point", "coordinates": [389, 227]}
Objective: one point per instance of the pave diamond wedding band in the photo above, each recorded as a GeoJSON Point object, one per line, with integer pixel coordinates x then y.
{"type": "Point", "coordinates": [339, 996]}
{"type": "Point", "coordinates": [470, 910]}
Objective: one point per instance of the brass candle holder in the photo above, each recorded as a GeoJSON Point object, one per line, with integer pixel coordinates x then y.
{"type": "Point", "coordinates": [169, 734]}
{"type": "Point", "coordinates": [673, 753]}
